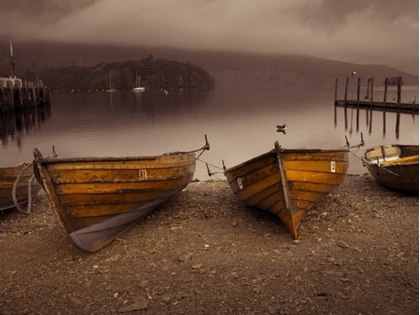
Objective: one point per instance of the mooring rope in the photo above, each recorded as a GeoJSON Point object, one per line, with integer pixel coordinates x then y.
{"type": "Point", "coordinates": [355, 156]}
{"type": "Point", "coordinates": [212, 165]}
{"type": "Point", "coordinates": [15, 185]}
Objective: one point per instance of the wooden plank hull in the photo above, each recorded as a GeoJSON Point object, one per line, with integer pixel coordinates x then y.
{"type": "Point", "coordinates": [289, 182]}
{"type": "Point", "coordinates": [394, 166]}
{"type": "Point", "coordinates": [8, 176]}
{"type": "Point", "coordinates": [98, 199]}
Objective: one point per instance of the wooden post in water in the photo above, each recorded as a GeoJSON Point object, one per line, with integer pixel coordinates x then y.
{"type": "Point", "coordinates": [385, 91]}
{"type": "Point", "coordinates": [367, 90]}
{"type": "Point", "coordinates": [345, 92]}
{"type": "Point", "coordinates": [335, 95]}
{"type": "Point", "coordinates": [384, 113]}
{"type": "Point", "coordinates": [371, 106]}
{"type": "Point", "coordinates": [397, 127]}
{"type": "Point", "coordinates": [358, 102]}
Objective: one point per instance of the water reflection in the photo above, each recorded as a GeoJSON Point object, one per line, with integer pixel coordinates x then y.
{"type": "Point", "coordinates": [348, 126]}
{"type": "Point", "coordinates": [16, 125]}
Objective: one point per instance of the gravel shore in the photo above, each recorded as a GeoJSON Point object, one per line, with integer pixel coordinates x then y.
{"type": "Point", "coordinates": [204, 252]}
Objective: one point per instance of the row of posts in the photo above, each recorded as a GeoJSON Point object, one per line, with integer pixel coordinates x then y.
{"type": "Point", "coordinates": [369, 89]}
{"type": "Point", "coordinates": [15, 97]}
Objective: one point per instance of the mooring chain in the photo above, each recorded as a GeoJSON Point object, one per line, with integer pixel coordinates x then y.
{"type": "Point", "coordinates": [15, 185]}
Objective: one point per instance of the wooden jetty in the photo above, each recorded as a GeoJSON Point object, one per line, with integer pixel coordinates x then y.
{"type": "Point", "coordinates": [16, 94]}
{"type": "Point", "coordinates": [369, 103]}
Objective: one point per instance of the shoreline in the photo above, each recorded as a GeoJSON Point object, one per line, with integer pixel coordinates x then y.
{"type": "Point", "coordinates": [204, 252]}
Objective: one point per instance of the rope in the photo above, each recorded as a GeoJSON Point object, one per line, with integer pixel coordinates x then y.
{"type": "Point", "coordinates": [215, 166]}
{"type": "Point", "coordinates": [354, 155]}
{"type": "Point", "coordinates": [15, 185]}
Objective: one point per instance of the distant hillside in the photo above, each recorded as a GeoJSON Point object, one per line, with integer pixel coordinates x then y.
{"type": "Point", "coordinates": [226, 68]}
{"type": "Point", "coordinates": [152, 74]}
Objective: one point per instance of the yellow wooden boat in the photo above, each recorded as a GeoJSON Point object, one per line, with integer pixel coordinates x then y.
{"type": "Point", "coordinates": [289, 182]}
{"type": "Point", "coordinates": [395, 166]}
{"type": "Point", "coordinates": [97, 199]}
{"type": "Point", "coordinates": [8, 176]}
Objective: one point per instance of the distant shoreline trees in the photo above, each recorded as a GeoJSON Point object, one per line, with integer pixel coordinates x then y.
{"type": "Point", "coordinates": [153, 74]}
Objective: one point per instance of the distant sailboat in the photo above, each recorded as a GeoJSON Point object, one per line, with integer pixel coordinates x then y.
{"type": "Point", "coordinates": [110, 84]}
{"type": "Point", "coordinates": [138, 88]}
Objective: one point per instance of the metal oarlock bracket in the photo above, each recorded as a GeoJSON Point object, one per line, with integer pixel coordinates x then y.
{"type": "Point", "coordinates": [361, 144]}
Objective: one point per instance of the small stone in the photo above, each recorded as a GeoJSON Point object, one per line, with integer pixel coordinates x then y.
{"type": "Point", "coordinates": [198, 266]}
{"type": "Point", "coordinates": [342, 244]}
{"type": "Point", "coordinates": [166, 298]}
{"type": "Point", "coordinates": [75, 300]}
{"type": "Point", "coordinates": [134, 307]}
{"type": "Point", "coordinates": [235, 223]}
{"type": "Point", "coordinates": [185, 257]}
{"type": "Point", "coordinates": [143, 284]}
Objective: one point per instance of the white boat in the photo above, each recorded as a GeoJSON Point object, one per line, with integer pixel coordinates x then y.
{"type": "Point", "coordinates": [138, 88]}
{"type": "Point", "coordinates": [110, 84]}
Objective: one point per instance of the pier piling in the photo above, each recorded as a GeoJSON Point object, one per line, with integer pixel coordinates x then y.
{"type": "Point", "coordinates": [371, 104]}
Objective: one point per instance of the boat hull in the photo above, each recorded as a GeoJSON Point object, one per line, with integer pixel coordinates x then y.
{"type": "Point", "coordinates": [399, 170]}
{"type": "Point", "coordinates": [8, 176]}
{"type": "Point", "coordinates": [289, 182]}
{"type": "Point", "coordinates": [98, 199]}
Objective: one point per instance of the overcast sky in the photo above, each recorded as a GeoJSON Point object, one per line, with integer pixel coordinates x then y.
{"type": "Point", "coordinates": [362, 31]}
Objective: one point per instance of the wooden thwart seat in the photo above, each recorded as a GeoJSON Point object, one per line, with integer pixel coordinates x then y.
{"type": "Point", "coordinates": [407, 159]}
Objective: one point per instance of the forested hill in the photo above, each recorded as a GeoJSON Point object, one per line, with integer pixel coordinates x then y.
{"type": "Point", "coordinates": [227, 68]}
{"type": "Point", "coordinates": [149, 73]}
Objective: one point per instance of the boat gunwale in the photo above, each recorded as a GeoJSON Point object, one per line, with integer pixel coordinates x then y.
{"type": "Point", "coordinates": [373, 162]}
{"type": "Point", "coordinates": [46, 160]}
{"type": "Point", "coordinates": [283, 150]}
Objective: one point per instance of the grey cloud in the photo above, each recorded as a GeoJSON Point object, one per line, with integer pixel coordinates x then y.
{"type": "Point", "coordinates": [362, 31]}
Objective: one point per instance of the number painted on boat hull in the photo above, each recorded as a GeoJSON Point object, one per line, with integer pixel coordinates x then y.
{"type": "Point", "coordinates": [142, 174]}
{"type": "Point", "coordinates": [241, 186]}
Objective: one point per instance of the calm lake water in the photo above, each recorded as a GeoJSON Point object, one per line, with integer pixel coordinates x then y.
{"type": "Point", "coordinates": [240, 123]}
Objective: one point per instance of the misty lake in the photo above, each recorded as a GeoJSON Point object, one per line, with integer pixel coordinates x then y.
{"type": "Point", "coordinates": [240, 123]}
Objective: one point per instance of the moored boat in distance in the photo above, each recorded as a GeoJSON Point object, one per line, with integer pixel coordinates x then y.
{"type": "Point", "coordinates": [97, 199]}
{"type": "Point", "coordinates": [289, 182]}
{"type": "Point", "coordinates": [8, 177]}
{"type": "Point", "coordinates": [138, 88]}
{"type": "Point", "coordinates": [395, 166]}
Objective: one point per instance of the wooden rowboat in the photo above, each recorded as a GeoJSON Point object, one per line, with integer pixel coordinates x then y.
{"type": "Point", "coordinates": [97, 199]}
{"type": "Point", "coordinates": [8, 176]}
{"type": "Point", "coordinates": [289, 182]}
{"type": "Point", "coordinates": [394, 166]}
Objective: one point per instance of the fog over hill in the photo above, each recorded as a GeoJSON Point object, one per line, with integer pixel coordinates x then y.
{"type": "Point", "coordinates": [228, 68]}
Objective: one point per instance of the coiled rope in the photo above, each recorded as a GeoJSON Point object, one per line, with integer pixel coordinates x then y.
{"type": "Point", "coordinates": [15, 185]}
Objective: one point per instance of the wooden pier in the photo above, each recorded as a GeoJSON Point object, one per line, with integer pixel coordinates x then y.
{"type": "Point", "coordinates": [16, 94]}
{"type": "Point", "coordinates": [370, 104]}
